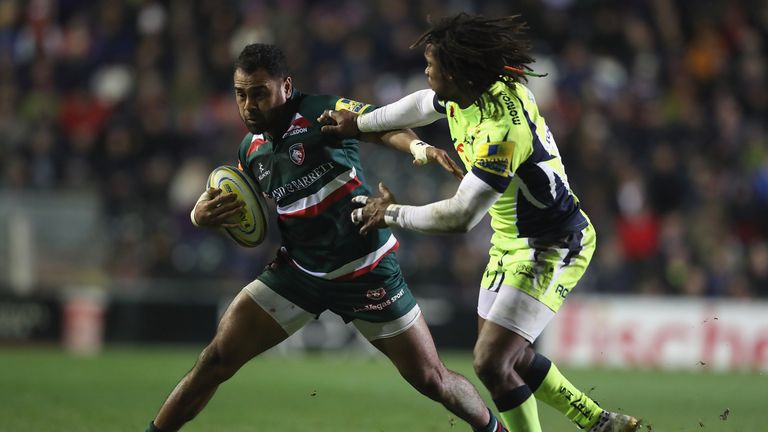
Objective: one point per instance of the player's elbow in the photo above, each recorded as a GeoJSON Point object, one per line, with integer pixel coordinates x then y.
{"type": "Point", "coordinates": [468, 223]}
{"type": "Point", "coordinates": [462, 228]}
{"type": "Point", "coordinates": [461, 221]}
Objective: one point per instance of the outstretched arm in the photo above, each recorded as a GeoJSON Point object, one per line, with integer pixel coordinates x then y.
{"type": "Point", "coordinates": [406, 141]}
{"type": "Point", "coordinates": [459, 213]}
{"type": "Point", "coordinates": [416, 109]}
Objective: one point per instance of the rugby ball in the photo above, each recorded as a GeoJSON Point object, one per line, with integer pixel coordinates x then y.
{"type": "Point", "coordinates": [252, 228]}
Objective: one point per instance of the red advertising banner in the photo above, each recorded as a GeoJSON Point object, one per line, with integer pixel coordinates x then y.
{"type": "Point", "coordinates": [659, 333]}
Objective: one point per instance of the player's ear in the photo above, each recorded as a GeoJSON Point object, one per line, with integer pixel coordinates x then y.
{"type": "Point", "coordinates": [287, 87]}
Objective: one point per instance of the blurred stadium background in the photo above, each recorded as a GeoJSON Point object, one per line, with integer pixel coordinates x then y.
{"type": "Point", "coordinates": [112, 113]}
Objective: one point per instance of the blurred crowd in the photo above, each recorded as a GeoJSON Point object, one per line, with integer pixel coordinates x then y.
{"type": "Point", "coordinates": [659, 108]}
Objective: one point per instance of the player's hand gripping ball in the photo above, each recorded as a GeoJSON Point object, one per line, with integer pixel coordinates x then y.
{"type": "Point", "coordinates": [251, 228]}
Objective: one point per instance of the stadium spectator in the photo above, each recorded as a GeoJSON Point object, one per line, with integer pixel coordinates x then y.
{"type": "Point", "coordinates": [678, 90]}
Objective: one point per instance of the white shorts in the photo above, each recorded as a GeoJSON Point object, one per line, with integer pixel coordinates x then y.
{"type": "Point", "coordinates": [515, 311]}
{"type": "Point", "coordinates": [292, 317]}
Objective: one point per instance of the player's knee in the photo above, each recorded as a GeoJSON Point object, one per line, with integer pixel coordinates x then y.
{"type": "Point", "coordinates": [213, 364]}
{"type": "Point", "coordinates": [489, 368]}
{"type": "Point", "coordinates": [495, 367]}
{"type": "Point", "coordinates": [524, 360]}
{"type": "Point", "coordinates": [428, 381]}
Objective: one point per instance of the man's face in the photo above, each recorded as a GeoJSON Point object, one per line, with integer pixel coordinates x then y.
{"type": "Point", "coordinates": [259, 98]}
{"type": "Point", "coordinates": [441, 84]}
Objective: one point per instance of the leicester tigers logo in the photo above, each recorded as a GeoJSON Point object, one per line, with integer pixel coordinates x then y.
{"type": "Point", "coordinates": [376, 294]}
{"type": "Point", "coordinates": [296, 153]}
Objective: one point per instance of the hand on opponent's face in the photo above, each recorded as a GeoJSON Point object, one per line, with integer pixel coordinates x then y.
{"type": "Point", "coordinates": [371, 215]}
{"type": "Point", "coordinates": [341, 122]}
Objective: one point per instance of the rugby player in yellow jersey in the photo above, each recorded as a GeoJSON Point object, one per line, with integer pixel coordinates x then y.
{"type": "Point", "coordinates": [542, 241]}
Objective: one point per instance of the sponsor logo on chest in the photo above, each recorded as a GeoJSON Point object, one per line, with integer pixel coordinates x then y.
{"type": "Point", "coordinates": [302, 182]}
{"type": "Point", "coordinates": [299, 125]}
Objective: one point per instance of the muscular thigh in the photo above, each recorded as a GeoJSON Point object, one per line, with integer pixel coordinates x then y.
{"type": "Point", "coordinates": [246, 330]}
{"type": "Point", "coordinates": [411, 350]}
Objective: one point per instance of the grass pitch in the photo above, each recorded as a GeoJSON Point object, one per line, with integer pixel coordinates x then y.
{"type": "Point", "coordinates": [45, 390]}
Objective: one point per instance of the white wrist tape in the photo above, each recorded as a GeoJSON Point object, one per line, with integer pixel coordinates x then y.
{"type": "Point", "coordinates": [204, 197]}
{"type": "Point", "coordinates": [392, 214]}
{"type": "Point", "coordinates": [364, 123]}
{"type": "Point", "coordinates": [419, 150]}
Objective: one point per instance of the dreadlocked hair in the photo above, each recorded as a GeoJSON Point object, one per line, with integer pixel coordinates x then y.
{"type": "Point", "coordinates": [477, 51]}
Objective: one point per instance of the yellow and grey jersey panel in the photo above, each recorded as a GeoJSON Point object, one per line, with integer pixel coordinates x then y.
{"type": "Point", "coordinates": [510, 147]}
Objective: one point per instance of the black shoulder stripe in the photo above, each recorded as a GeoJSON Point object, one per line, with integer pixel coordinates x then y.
{"type": "Point", "coordinates": [438, 105]}
{"type": "Point", "coordinates": [497, 182]}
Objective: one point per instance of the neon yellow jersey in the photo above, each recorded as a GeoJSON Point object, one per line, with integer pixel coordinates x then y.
{"type": "Point", "coordinates": [509, 146]}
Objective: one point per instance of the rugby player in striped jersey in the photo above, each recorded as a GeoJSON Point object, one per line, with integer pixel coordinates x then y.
{"type": "Point", "coordinates": [324, 262]}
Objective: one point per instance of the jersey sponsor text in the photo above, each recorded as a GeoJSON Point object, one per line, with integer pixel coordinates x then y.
{"type": "Point", "coordinates": [302, 182]}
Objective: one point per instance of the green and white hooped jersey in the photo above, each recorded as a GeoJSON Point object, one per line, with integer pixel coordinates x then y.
{"type": "Point", "coordinates": [509, 146]}
{"type": "Point", "coordinates": [312, 178]}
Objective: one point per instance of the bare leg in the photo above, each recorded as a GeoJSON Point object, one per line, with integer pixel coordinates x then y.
{"type": "Point", "coordinates": [501, 358]}
{"type": "Point", "coordinates": [244, 331]}
{"type": "Point", "coordinates": [413, 353]}
{"type": "Point", "coordinates": [521, 366]}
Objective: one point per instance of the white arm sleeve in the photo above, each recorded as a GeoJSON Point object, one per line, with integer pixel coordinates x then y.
{"type": "Point", "coordinates": [459, 213]}
{"type": "Point", "coordinates": [416, 109]}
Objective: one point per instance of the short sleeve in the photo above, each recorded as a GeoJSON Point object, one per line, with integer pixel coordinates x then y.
{"type": "Point", "coordinates": [492, 163]}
